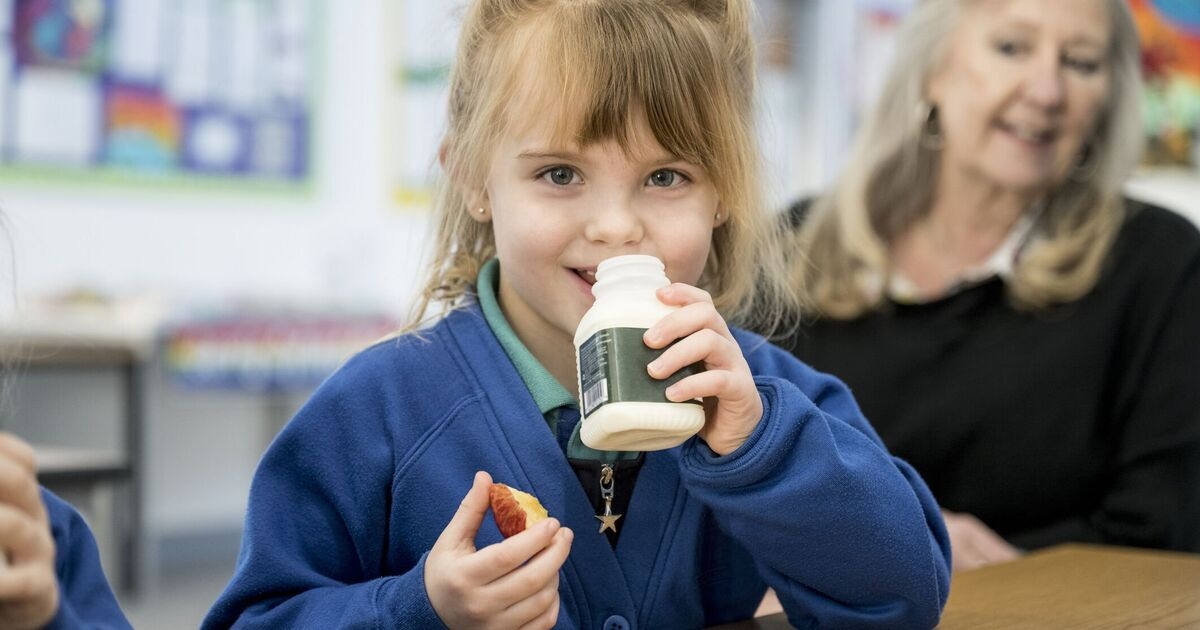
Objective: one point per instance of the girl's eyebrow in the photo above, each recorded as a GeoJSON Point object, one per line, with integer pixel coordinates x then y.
{"type": "Point", "coordinates": [567, 156]}
{"type": "Point", "coordinates": [543, 155]}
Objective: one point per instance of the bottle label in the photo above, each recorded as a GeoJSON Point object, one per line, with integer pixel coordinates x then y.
{"type": "Point", "coordinates": [612, 368]}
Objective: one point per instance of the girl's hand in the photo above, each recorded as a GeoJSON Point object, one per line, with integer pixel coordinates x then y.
{"type": "Point", "coordinates": [973, 544]}
{"type": "Point", "coordinates": [28, 585]}
{"type": "Point", "coordinates": [733, 407]}
{"type": "Point", "coordinates": [510, 584]}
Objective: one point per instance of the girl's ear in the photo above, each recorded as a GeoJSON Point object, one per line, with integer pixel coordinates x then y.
{"type": "Point", "coordinates": [478, 206]}
{"type": "Point", "coordinates": [720, 217]}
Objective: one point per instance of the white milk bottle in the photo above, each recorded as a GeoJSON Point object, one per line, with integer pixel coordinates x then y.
{"type": "Point", "coordinates": [622, 408]}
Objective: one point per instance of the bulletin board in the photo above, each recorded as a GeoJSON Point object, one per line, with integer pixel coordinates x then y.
{"type": "Point", "coordinates": [1170, 34]}
{"type": "Point", "coordinates": [158, 91]}
{"type": "Point", "coordinates": [416, 91]}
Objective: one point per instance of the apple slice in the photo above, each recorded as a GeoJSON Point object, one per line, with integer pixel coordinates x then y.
{"type": "Point", "coordinates": [514, 510]}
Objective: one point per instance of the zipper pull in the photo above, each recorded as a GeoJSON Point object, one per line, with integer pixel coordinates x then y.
{"type": "Point", "coordinates": [608, 520]}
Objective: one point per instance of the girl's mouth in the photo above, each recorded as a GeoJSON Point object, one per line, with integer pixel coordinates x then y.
{"type": "Point", "coordinates": [587, 275]}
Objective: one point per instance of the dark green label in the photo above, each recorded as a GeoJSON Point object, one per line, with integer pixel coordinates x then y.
{"type": "Point", "coordinates": [612, 368]}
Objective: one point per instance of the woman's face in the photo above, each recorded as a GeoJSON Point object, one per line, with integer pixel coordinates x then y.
{"type": "Point", "coordinates": [1022, 87]}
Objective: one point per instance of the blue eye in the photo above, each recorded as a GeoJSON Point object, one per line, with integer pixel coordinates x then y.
{"type": "Point", "coordinates": [559, 175]}
{"type": "Point", "coordinates": [665, 178]}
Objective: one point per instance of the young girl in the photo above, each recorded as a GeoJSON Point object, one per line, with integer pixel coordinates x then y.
{"type": "Point", "coordinates": [581, 130]}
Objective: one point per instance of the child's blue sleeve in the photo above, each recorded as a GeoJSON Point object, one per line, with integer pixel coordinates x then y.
{"type": "Point", "coordinates": [846, 534]}
{"type": "Point", "coordinates": [315, 546]}
{"type": "Point", "coordinates": [85, 598]}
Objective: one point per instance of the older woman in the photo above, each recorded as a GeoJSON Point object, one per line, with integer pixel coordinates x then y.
{"type": "Point", "coordinates": [1024, 336]}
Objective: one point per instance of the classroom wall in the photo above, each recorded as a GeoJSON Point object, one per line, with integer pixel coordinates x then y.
{"type": "Point", "coordinates": [343, 243]}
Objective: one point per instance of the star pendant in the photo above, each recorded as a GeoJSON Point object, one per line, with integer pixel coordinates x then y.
{"type": "Point", "coordinates": [608, 521]}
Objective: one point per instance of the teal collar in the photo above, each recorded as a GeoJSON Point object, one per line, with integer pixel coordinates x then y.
{"type": "Point", "coordinates": [547, 392]}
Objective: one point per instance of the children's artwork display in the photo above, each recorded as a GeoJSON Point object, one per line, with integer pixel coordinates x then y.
{"type": "Point", "coordinates": [1170, 34]}
{"type": "Point", "coordinates": [267, 352]}
{"type": "Point", "coordinates": [157, 90]}
{"type": "Point", "coordinates": [417, 84]}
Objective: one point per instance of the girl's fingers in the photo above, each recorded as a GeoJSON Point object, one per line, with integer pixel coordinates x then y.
{"type": "Point", "coordinates": [529, 611]}
{"type": "Point", "coordinates": [550, 619]}
{"type": "Point", "coordinates": [705, 346]}
{"type": "Point", "coordinates": [541, 569]}
{"type": "Point", "coordinates": [31, 588]}
{"type": "Point", "coordinates": [684, 322]}
{"type": "Point", "coordinates": [494, 562]}
{"type": "Point", "coordinates": [18, 451]}
{"type": "Point", "coordinates": [680, 294]}
{"type": "Point", "coordinates": [22, 537]}
{"type": "Point", "coordinates": [19, 487]}
{"type": "Point", "coordinates": [460, 532]}
{"type": "Point", "coordinates": [707, 384]}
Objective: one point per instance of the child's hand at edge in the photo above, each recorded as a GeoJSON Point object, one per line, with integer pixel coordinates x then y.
{"type": "Point", "coordinates": [28, 585]}
{"type": "Point", "coordinates": [973, 544]}
{"type": "Point", "coordinates": [733, 407]}
{"type": "Point", "coordinates": [510, 584]}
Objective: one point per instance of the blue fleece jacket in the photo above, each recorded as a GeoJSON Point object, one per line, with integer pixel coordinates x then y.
{"type": "Point", "coordinates": [353, 493]}
{"type": "Point", "coordinates": [85, 598]}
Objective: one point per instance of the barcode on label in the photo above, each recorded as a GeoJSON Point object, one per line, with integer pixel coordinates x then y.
{"type": "Point", "coordinates": [595, 396]}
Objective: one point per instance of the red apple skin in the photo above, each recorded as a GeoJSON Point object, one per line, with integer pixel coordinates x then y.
{"type": "Point", "coordinates": [511, 517]}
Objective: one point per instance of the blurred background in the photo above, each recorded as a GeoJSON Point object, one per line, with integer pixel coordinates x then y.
{"type": "Point", "coordinates": [207, 205]}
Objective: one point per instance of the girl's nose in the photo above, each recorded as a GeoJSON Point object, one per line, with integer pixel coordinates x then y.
{"type": "Point", "coordinates": [614, 221]}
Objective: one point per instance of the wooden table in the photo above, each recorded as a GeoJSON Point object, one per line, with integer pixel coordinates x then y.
{"type": "Point", "coordinates": [1068, 586]}
{"type": "Point", "coordinates": [1079, 586]}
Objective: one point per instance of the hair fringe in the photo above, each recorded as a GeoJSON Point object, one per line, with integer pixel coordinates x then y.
{"type": "Point", "coordinates": [687, 65]}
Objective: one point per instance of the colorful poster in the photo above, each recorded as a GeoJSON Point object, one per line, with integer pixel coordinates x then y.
{"type": "Point", "coordinates": [68, 33]}
{"type": "Point", "coordinates": [1170, 33]}
{"type": "Point", "coordinates": [418, 64]}
{"type": "Point", "coordinates": [212, 90]}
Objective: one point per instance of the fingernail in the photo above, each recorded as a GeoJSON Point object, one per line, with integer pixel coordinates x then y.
{"type": "Point", "coordinates": [672, 391]}
{"type": "Point", "coordinates": [654, 367]}
{"type": "Point", "coordinates": [651, 337]}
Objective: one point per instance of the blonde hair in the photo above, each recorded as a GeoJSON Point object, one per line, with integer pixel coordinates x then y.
{"type": "Point", "coordinates": [890, 177]}
{"type": "Point", "coordinates": [687, 66]}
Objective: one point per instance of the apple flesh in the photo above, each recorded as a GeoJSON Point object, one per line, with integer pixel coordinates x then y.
{"type": "Point", "coordinates": [515, 511]}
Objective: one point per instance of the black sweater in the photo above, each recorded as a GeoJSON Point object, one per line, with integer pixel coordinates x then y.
{"type": "Point", "coordinates": [1077, 423]}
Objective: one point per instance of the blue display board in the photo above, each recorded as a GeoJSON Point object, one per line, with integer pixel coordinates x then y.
{"type": "Point", "coordinates": [167, 90]}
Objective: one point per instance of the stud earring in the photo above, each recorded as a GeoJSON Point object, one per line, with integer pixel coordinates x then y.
{"type": "Point", "coordinates": [482, 211]}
